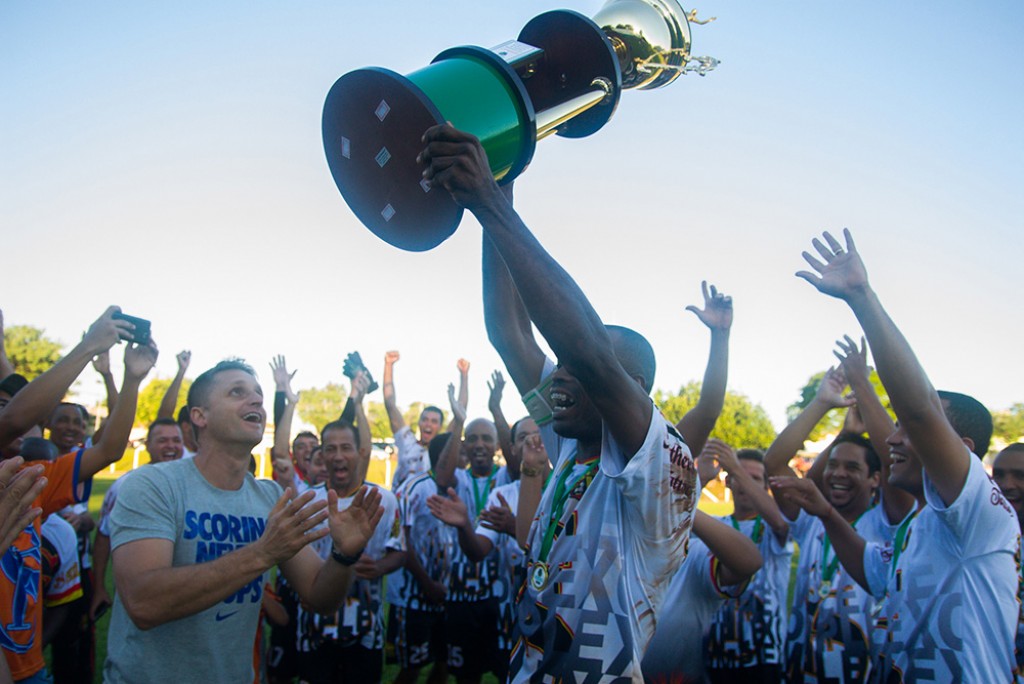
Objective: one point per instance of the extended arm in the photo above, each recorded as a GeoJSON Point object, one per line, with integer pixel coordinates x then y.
{"type": "Point", "coordinates": [170, 400]}
{"type": "Point", "coordinates": [33, 404]}
{"type": "Point", "coordinates": [915, 401]}
{"type": "Point", "coordinates": [6, 367]}
{"type": "Point", "coordinates": [388, 389]}
{"type": "Point", "coordinates": [496, 386]}
{"type": "Point", "coordinates": [452, 510]}
{"type": "Point", "coordinates": [761, 500]}
{"type": "Point", "coordinates": [360, 383]}
{"type": "Point", "coordinates": [535, 469]}
{"type": "Point", "coordinates": [444, 472]}
{"type": "Point", "coordinates": [697, 424]}
{"type": "Point", "coordinates": [576, 334]}
{"type": "Point", "coordinates": [100, 560]}
{"type": "Point", "coordinates": [897, 502]}
{"type": "Point", "coordinates": [280, 452]}
{"type": "Point", "coordinates": [737, 555]}
{"type": "Point", "coordinates": [101, 364]}
{"type": "Point", "coordinates": [463, 366]}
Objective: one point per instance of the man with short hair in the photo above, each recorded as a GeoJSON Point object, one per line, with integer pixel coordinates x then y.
{"type": "Point", "coordinates": [955, 555]}
{"type": "Point", "coordinates": [193, 539]}
{"type": "Point", "coordinates": [1008, 472]}
{"type": "Point", "coordinates": [616, 517]}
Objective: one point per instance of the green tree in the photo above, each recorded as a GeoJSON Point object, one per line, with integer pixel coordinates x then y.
{"type": "Point", "coordinates": [742, 423]}
{"type": "Point", "coordinates": [377, 415]}
{"type": "Point", "coordinates": [1008, 425]}
{"type": "Point", "coordinates": [30, 350]}
{"type": "Point", "coordinates": [832, 423]}
{"type": "Point", "coordinates": [152, 394]}
{"type": "Point", "coordinates": [320, 405]}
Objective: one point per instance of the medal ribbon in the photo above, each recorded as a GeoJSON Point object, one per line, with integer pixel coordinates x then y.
{"type": "Point", "coordinates": [897, 544]}
{"type": "Point", "coordinates": [561, 496]}
{"type": "Point", "coordinates": [758, 528]}
{"type": "Point", "coordinates": [828, 569]}
{"type": "Point", "coordinates": [480, 498]}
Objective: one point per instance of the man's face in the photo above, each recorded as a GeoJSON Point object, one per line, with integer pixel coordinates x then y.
{"type": "Point", "coordinates": [848, 486]}
{"type": "Point", "coordinates": [341, 457]}
{"type": "Point", "coordinates": [317, 473]}
{"type": "Point", "coordinates": [905, 469]}
{"type": "Point", "coordinates": [429, 426]}
{"type": "Point", "coordinates": [480, 443]}
{"type": "Point", "coordinates": [302, 447]}
{"type": "Point", "coordinates": [1008, 472]}
{"type": "Point", "coordinates": [741, 500]}
{"type": "Point", "coordinates": [573, 414]}
{"type": "Point", "coordinates": [234, 413]}
{"type": "Point", "coordinates": [526, 429]}
{"type": "Point", "coordinates": [165, 444]}
{"type": "Point", "coordinates": [67, 428]}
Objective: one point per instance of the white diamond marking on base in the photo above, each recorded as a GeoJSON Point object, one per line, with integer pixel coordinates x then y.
{"type": "Point", "coordinates": [382, 110]}
{"type": "Point", "coordinates": [425, 184]}
{"type": "Point", "coordinates": [388, 212]}
{"type": "Point", "coordinates": [383, 157]}
{"type": "Point", "coordinates": [346, 148]}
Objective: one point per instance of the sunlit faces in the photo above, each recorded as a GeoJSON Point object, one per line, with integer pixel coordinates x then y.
{"type": "Point", "coordinates": [165, 443]}
{"type": "Point", "coordinates": [905, 466]}
{"type": "Point", "coordinates": [341, 456]}
{"type": "Point", "coordinates": [429, 425]}
{"type": "Point", "coordinates": [525, 429]}
{"type": "Point", "coordinates": [480, 442]}
{"type": "Point", "coordinates": [234, 414]}
{"type": "Point", "coordinates": [67, 427]}
{"type": "Point", "coordinates": [848, 486]}
{"type": "Point", "coordinates": [302, 447]}
{"type": "Point", "coordinates": [1008, 472]}
{"type": "Point", "coordinates": [742, 501]}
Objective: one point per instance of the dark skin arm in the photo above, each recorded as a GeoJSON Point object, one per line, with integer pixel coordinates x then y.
{"type": "Point", "coordinates": [455, 161]}
{"type": "Point", "coordinates": [737, 555]}
{"type": "Point", "coordinates": [170, 399]}
{"type": "Point", "coordinates": [448, 461]}
{"type": "Point", "coordinates": [496, 385]}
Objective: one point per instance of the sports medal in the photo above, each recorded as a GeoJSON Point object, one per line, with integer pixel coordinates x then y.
{"type": "Point", "coordinates": [825, 589]}
{"type": "Point", "coordinates": [539, 576]}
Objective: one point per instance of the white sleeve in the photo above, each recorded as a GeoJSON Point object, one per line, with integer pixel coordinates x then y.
{"type": "Point", "coordinates": [877, 564]}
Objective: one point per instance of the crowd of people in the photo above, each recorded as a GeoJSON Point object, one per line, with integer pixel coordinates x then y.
{"type": "Point", "coordinates": [564, 547]}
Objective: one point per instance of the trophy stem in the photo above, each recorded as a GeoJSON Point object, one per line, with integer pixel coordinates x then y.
{"type": "Point", "coordinates": [549, 120]}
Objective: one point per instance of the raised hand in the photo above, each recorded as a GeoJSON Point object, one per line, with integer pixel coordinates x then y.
{"type": "Point", "coordinates": [830, 389]}
{"type": "Point", "coordinates": [842, 274]}
{"type": "Point", "coordinates": [360, 383]}
{"type": "Point", "coordinates": [723, 453]}
{"type": "Point", "coordinates": [184, 358]}
{"type": "Point", "coordinates": [853, 361]}
{"type": "Point", "coordinates": [500, 518]}
{"type": "Point", "coordinates": [458, 410]}
{"type": "Point", "coordinates": [291, 525]}
{"type": "Point", "coordinates": [707, 468]}
{"type": "Point", "coordinates": [496, 385]}
{"type": "Point", "coordinates": [282, 378]}
{"type": "Point", "coordinates": [535, 457]}
{"type": "Point", "coordinates": [18, 490]}
{"type": "Point", "coordinates": [802, 492]}
{"type": "Point", "coordinates": [451, 510]}
{"type": "Point", "coordinates": [717, 311]}
{"type": "Point", "coordinates": [367, 568]}
{"type": "Point", "coordinates": [853, 422]}
{"type": "Point", "coordinates": [463, 366]}
{"type": "Point", "coordinates": [353, 527]}
{"type": "Point", "coordinates": [391, 357]}
{"type": "Point", "coordinates": [139, 359]}
{"type": "Point", "coordinates": [456, 161]}
{"type": "Point", "coordinates": [101, 363]}
{"type": "Point", "coordinates": [105, 332]}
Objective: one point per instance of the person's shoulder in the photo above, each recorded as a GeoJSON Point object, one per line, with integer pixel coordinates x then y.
{"type": "Point", "coordinates": [268, 488]}
{"type": "Point", "coordinates": [57, 528]}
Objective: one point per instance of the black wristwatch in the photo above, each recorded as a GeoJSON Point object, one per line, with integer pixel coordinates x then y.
{"type": "Point", "coordinates": [345, 560]}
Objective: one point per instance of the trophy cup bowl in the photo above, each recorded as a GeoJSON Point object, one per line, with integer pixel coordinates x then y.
{"type": "Point", "coordinates": [563, 75]}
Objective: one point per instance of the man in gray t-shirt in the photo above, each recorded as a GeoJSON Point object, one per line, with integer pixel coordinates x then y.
{"type": "Point", "coordinates": [192, 541]}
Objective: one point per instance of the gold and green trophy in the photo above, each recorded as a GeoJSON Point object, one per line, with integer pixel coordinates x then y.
{"type": "Point", "coordinates": [563, 75]}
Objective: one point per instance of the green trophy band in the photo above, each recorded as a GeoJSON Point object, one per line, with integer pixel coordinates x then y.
{"type": "Point", "coordinates": [563, 74]}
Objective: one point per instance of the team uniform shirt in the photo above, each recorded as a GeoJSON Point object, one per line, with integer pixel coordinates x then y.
{"type": "Point", "coordinates": [676, 651]}
{"type": "Point", "coordinates": [751, 630]}
{"type": "Point", "coordinates": [413, 457]}
{"type": "Point", "coordinates": [21, 595]}
{"type": "Point", "coordinates": [619, 539]}
{"type": "Point", "coordinates": [84, 538]}
{"type": "Point", "coordinates": [173, 501]}
{"type": "Point", "coordinates": [511, 567]}
{"type": "Point", "coordinates": [431, 540]}
{"type": "Point", "coordinates": [829, 637]}
{"type": "Point", "coordinates": [470, 580]}
{"type": "Point", "coordinates": [109, 500]}
{"type": "Point", "coordinates": [61, 573]}
{"type": "Point", "coordinates": [949, 587]}
{"type": "Point", "coordinates": [360, 620]}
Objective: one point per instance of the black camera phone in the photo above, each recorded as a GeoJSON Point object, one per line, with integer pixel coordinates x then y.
{"type": "Point", "coordinates": [142, 328]}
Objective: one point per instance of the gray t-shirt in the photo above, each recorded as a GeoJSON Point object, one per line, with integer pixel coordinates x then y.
{"type": "Point", "coordinates": [174, 501]}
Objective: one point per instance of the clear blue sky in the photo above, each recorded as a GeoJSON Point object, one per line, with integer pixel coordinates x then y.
{"type": "Point", "coordinates": [167, 158]}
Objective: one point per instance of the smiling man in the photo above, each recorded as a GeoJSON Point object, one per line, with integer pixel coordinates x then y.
{"type": "Point", "coordinates": [614, 522]}
{"type": "Point", "coordinates": [193, 539]}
